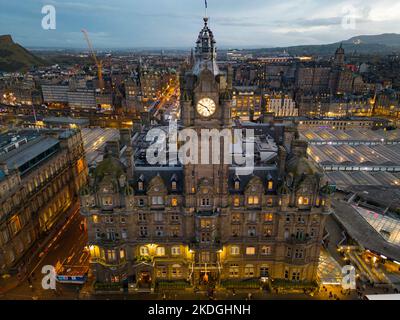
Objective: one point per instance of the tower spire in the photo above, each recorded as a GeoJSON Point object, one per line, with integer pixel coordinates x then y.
{"type": "Point", "coordinates": [205, 8]}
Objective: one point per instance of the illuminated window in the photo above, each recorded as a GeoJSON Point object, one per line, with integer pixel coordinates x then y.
{"type": "Point", "coordinates": [266, 250]}
{"type": "Point", "coordinates": [303, 201]}
{"type": "Point", "coordinates": [253, 200]}
{"type": "Point", "coordinates": [236, 217]}
{"type": "Point", "coordinates": [205, 223]}
{"type": "Point", "coordinates": [140, 185]}
{"type": "Point", "coordinates": [173, 185]}
{"type": "Point", "coordinates": [205, 257]}
{"type": "Point", "coordinates": [268, 217]}
{"type": "Point", "coordinates": [236, 202]}
{"type": "Point", "coordinates": [144, 251]}
{"type": "Point", "coordinates": [160, 251]}
{"type": "Point", "coordinates": [161, 272]}
{"type": "Point", "coordinates": [175, 251]}
{"type": "Point", "coordinates": [234, 271]}
{"type": "Point", "coordinates": [111, 255]}
{"type": "Point", "coordinates": [270, 185]}
{"type": "Point", "coordinates": [249, 270]}
{"type": "Point", "coordinates": [122, 254]}
{"type": "Point", "coordinates": [237, 185]}
{"type": "Point", "coordinates": [174, 202]}
{"type": "Point", "coordinates": [269, 202]}
{"type": "Point", "coordinates": [95, 219]}
{"type": "Point", "coordinates": [250, 250]}
{"type": "Point", "coordinates": [235, 250]}
{"type": "Point", "coordinates": [176, 271]}
{"type": "Point", "coordinates": [107, 201]}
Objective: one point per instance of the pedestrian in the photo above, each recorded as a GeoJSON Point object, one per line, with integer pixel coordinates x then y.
{"type": "Point", "coordinates": [249, 295]}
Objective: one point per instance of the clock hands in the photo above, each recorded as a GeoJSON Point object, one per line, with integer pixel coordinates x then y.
{"type": "Point", "coordinates": [204, 107]}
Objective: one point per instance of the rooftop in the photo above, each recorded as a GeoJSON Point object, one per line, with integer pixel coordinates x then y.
{"type": "Point", "coordinates": [17, 158]}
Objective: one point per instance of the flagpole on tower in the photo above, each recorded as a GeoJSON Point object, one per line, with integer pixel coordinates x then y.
{"type": "Point", "coordinates": [205, 8]}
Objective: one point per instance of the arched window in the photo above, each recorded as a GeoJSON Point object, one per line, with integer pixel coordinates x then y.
{"type": "Point", "coordinates": [235, 250]}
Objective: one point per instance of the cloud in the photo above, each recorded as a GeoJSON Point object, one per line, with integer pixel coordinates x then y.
{"type": "Point", "coordinates": [155, 23]}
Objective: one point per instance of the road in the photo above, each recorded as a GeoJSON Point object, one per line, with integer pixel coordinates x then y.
{"type": "Point", "coordinates": [68, 245]}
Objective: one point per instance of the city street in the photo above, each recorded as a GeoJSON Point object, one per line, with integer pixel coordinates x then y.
{"type": "Point", "coordinates": [69, 246]}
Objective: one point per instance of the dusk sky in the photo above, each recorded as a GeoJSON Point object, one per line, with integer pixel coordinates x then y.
{"type": "Point", "coordinates": [176, 23]}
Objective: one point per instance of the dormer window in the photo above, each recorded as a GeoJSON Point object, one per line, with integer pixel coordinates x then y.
{"type": "Point", "coordinates": [140, 186]}
{"type": "Point", "coordinates": [173, 185]}
{"type": "Point", "coordinates": [236, 182]}
{"type": "Point", "coordinates": [107, 201]}
{"type": "Point", "coordinates": [303, 201]}
{"type": "Point", "coordinates": [270, 185]}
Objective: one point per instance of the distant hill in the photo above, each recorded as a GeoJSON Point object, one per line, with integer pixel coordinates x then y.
{"type": "Point", "coordinates": [366, 44]}
{"type": "Point", "coordinates": [14, 57]}
{"type": "Point", "coordinates": [386, 39]}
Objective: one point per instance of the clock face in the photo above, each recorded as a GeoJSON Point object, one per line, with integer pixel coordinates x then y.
{"type": "Point", "coordinates": [206, 107]}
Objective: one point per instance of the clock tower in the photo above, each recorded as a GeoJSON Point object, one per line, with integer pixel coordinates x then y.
{"type": "Point", "coordinates": [206, 91]}
{"type": "Point", "coordinates": [206, 104]}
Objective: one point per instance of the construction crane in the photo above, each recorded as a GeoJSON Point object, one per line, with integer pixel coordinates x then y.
{"type": "Point", "coordinates": [98, 62]}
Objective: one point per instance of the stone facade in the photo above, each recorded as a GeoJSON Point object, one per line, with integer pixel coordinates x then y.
{"type": "Point", "coordinates": [203, 223]}
{"type": "Point", "coordinates": [38, 183]}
